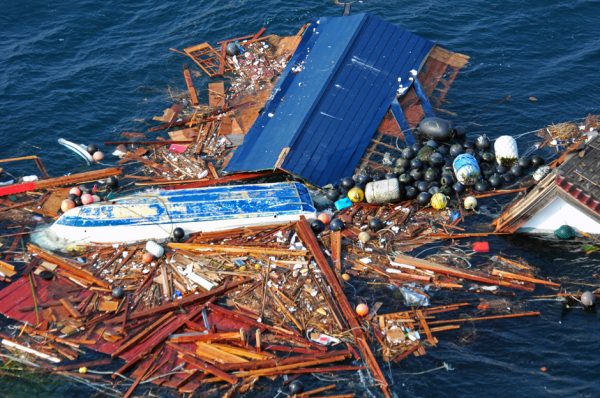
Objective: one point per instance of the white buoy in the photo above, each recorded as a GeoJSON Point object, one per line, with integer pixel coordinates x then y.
{"type": "Point", "coordinates": [506, 150]}
{"type": "Point", "coordinates": [588, 299]}
{"type": "Point", "coordinates": [155, 249]}
{"type": "Point", "coordinates": [470, 203]}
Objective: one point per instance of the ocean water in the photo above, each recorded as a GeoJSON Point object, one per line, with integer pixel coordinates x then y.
{"type": "Point", "coordinates": [88, 70]}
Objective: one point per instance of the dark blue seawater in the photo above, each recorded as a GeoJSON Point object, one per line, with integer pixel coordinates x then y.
{"type": "Point", "coordinates": [87, 70]}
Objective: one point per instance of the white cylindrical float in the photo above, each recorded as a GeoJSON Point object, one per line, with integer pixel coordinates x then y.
{"type": "Point", "coordinates": [506, 150]}
{"type": "Point", "coordinates": [383, 191]}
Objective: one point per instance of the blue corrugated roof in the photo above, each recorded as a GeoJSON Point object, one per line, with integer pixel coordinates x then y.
{"type": "Point", "coordinates": [329, 100]}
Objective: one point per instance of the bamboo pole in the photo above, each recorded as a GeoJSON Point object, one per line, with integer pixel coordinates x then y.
{"type": "Point", "coordinates": [485, 318]}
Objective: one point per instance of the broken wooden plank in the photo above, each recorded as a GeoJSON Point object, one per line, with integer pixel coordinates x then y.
{"type": "Point", "coordinates": [76, 178]}
{"type": "Point", "coordinates": [190, 85]}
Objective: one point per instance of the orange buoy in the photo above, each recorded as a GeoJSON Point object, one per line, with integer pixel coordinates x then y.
{"type": "Point", "coordinates": [346, 277]}
{"type": "Point", "coordinates": [67, 205]}
{"type": "Point", "coordinates": [362, 310]}
{"type": "Point", "coordinates": [75, 191]}
{"type": "Point", "coordinates": [147, 258]}
{"type": "Point", "coordinates": [87, 199]}
{"type": "Point", "coordinates": [324, 218]}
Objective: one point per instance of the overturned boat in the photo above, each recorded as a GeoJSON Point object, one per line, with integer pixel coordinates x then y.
{"type": "Point", "coordinates": [155, 214]}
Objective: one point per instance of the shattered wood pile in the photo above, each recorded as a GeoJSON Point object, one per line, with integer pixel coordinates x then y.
{"type": "Point", "coordinates": [226, 312]}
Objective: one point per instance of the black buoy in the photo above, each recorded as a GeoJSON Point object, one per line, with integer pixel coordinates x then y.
{"type": "Point", "coordinates": [347, 182]}
{"type": "Point", "coordinates": [495, 180]}
{"type": "Point", "coordinates": [433, 190]}
{"type": "Point", "coordinates": [401, 162]}
{"type": "Point", "coordinates": [436, 128]}
{"type": "Point", "coordinates": [524, 162]}
{"type": "Point", "coordinates": [118, 292]}
{"type": "Point", "coordinates": [317, 226]}
{"type": "Point", "coordinates": [296, 387]}
{"type": "Point", "coordinates": [78, 201]}
{"type": "Point", "coordinates": [423, 198]}
{"type": "Point", "coordinates": [501, 169]}
{"type": "Point", "coordinates": [336, 224]}
{"type": "Point", "coordinates": [482, 142]}
{"type": "Point", "coordinates": [537, 161]}
{"type": "Point", "coordinates": [422, 186]}
{"type": "Point", "coordinates": [432, 144]}
{"type": "Point", "coordinates": [363, 178]}
{"type": "Point", "coordinates": [92, 149]}
{"type": "Point", "coordinates": [508, 177]}
{"type": "Point", "coordinates": [436, 159]}
{"type": "Point", "coordinates": [72, 196]}
{"type": "Point", "coordinates": [516, 170]}
{"type": "Point", "coordinates": [332, 194]}
{"type": "Point", "coordinates": [488, 157]}
{"type": "Point", "coordinates": [408, 153]}
{"type": "Point", "coordinates": [446, 190]}
{"type": "Point", "coordinates": [431, 175]}
{"type": "Point", "coordinates": [458, 187]}
{"type": "Point", "coordinates": [481, 186]}
{"type": "Point", "coordinates": [416, 164]}
{"type": "Point", "coordinates": [178, 234]}
{"type": "Point", "coordinates": [411, 192]}
{"type": "Point", "coordinates": [389, 176]}
{"type": "Point", "coordinates": [47, 275]}
{"type": "Point", "coordinates": [405, 178]}
{"type": "Point", "coordinates": [443, 149]}
{"type": "Point", "coordinates": [416, 147]}
{"type": "Point", "coordinates": [416, 174]}
{"type": "Point", "coordinates": [375, 224]}
{"type": "Point", "coordinates": [447, 179]}
{"type": "Point", "coordinates": [232, 49]}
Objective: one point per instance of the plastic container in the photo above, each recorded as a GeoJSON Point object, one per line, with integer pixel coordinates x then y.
{"type": "Point", "coordinates": [466, 169]}
{"type": "Point", "coordinates": [383, 191]}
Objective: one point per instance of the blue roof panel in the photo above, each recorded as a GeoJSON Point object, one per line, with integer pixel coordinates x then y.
{"type": "Point", "coordinates": [330, 98]}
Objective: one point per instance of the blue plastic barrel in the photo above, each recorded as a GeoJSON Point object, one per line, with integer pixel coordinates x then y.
{"type": "Point", "coordinates": [466, 169]}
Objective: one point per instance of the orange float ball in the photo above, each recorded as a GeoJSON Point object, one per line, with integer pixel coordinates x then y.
{"type": "Point", "coordinates": [362, 310]}
{"type": "Point", "coordinates": [87, 199]}
{"type": "Point", "coordinates": [75, 191]}
{"type": "Point", "coordinates": [324, 218]}
{"type": "Point", "coordinates": [67, 205]}
{"type": "Point", "coordinates": [147, 258]}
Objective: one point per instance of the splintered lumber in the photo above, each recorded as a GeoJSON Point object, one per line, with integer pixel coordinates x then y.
{"type": "Point", "coordinates": [212, 353]}
{"type": "Point", "coordinates": [17, 346]}
{"type": "Point", "coordinates": [445, 270]}
{"type": "Point", "coordinates": [336, 250]}
{"type": "Point", "coordinates": [284, 368]}
{"type": "Point", "coordinates": [199, 247]}
{"type": "Point", "coordinates": [66, 265]}
{"type": "Point", "coordinates": [190, 85]}
{"type": "Point", "coordinates": [208, 368]}
{"type": "Point", "coordinates": [523, 278]}
{"type": "Point", "coordinates": [190, 299]}
{"type": "Point", "coordinates": [138, 379]}
{"type": "Point", "coordinates": [308, 237]}
{"type": "Point", "coordinates": [486, 318]}
{"type": "Point", "coordinates": [306, 394]}
{"type": "Point", "coordinates": [7, 269]}
{"type": "Point", "coordinates": [157, 338]}
{"type": "Point", "coordinates": [77, 178]}
{"type": "Point", "coordinates": [143, 334]}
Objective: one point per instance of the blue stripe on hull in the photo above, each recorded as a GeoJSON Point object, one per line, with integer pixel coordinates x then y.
{"type": "Point", "coordinates": [195, 205]}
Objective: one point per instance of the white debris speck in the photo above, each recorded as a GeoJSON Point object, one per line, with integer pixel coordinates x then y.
{"type": "Point", "coordinates": [270, 114]}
